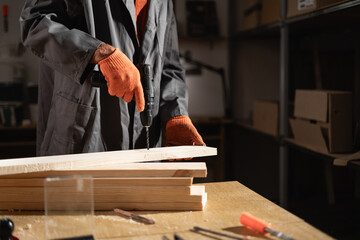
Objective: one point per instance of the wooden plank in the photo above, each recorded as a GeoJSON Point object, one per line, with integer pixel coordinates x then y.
{"type": "Point", "coordinates": [78, 161]}
{"type": "Point", "coordinates": [104, 182]}
{"type": "Point", "coordinates": [146, 206]}
{"type": "Point", "coordinates": [197, 190]}
{"type": "Point", "coordinates": [162, 169]}
{"type": "Point", "coordinates": [104, 198]}
{"type": "Point", "coordinates": [114, 194]}
{"type": "Point", "coordinates": [150, 181]}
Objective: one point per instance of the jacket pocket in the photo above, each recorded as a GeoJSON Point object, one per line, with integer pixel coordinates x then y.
{"type": "Point", "coordinates": [68, 125]}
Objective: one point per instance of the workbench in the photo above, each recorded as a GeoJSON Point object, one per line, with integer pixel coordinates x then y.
{"type": "Point", "coordinates": [226, 202]}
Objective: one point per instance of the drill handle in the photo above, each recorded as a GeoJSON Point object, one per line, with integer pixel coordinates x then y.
{"type": "Point", "coordinates": [147, 81]}
{"type": "Point", "coordinates": [149, 94]}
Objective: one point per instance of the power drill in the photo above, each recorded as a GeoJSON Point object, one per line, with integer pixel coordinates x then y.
{"type": "Point", "coordinates": [98, 80]}
{"type": "Point", "coordinates": [149, 94]}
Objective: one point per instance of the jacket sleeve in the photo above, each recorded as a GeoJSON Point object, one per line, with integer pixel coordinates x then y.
{"type": "Point", "coordinates": [174, 93]}
{"type": "Point", "coordinates": [55, 31]}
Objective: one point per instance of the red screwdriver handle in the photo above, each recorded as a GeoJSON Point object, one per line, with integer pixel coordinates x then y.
{"type": "Point", "coordinates": [253, 223]}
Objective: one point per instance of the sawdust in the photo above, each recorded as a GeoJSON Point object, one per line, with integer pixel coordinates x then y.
{"type": "Point", "coordinates": [27, 227]}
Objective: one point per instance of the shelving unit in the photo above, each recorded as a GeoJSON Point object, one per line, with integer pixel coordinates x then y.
{"type": "Point", "coordinates": [356, 166]}
{"type": "Point", "coordinates": [322, 12]}
{"type": "Point", "coordinates": [338, 18]}
{"type": "Point", "coordinates": [250, 127]}
{"type": "Point", "coordinates": [269, 30]}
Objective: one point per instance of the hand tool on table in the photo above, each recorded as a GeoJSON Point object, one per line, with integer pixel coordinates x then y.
{"type": "Point", "coordinates": [134, 216]}
{"type": "Point", "coordinates": [260, 226]}
{"type": "Point", "coordinates": [199, 229]}
{"type": "Point", "coordinates": [6, 229]}
{"type": "Point", "coordinates": [98, 80]}
{"type": "Point", "coordinates": [177, 237]}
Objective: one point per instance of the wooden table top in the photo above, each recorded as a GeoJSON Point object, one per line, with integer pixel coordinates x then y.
{"type": "Point", "coordinates": [226, 202]}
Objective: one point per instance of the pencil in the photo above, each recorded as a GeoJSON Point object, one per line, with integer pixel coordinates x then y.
{"type": "Point", "coordinates": [134, 216]}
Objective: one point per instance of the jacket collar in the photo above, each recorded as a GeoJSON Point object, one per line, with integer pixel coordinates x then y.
{"type": "Point", "coordinates": [131, 8]}
{"type": "Point", "coordinates": [152, 11]}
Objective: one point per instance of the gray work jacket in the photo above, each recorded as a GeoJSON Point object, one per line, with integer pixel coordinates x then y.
{"type": "Point", "coordinates": [76, 117]}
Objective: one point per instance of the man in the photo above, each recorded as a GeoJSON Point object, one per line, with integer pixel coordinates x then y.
{"type": "Point", "coordinates": [75, 116]}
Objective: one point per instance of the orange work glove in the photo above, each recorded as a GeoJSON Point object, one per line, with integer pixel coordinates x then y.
{"type": "Point", "coordinates": [181, 131]}
{"type": "Point", "coordinates": [123, 78]}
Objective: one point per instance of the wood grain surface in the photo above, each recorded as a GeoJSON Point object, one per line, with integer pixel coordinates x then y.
{"type": "Point", "coordinates": [103, 182]}
{"type": "Point", "coordinates": [159, 169]}
{"type": "Point", "coordinates": [100, 159]}
{"type": "Point", "coordinates": [103, 195]}
{"type": "Point", "coordinates": [226, 202]}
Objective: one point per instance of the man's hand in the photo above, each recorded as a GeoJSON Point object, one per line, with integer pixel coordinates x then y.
{"type": "Point", "coordinates": [123, 78]}
{"type": "Point", "coordinates": [181, 131]}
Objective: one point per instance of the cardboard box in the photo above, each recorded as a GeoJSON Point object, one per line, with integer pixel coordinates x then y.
{"type": "Point", "coordinates": [270, 11]}
{"type": "Point", "coordinates": [324, 119]}
{"type": "Point", "coordinates": [266, 117]}
{"type": "Point", "coordinates": [251, 3]}
{"type": "Point", "coordinates": [251, 14]}
{"type": "Point", "coordinates": [311, 104]}
{"type": "Point", "coordinates": [298, 7]}
{"type": "Point", "coordinates": [252, 20]}
{"type": "Point", "coordinates": [310, 134]}
{"type": "Point", "coordinates": [319, 105]}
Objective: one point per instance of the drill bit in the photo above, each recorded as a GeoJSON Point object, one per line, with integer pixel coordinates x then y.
{"type": "Point", "coordinates": [147, 138]}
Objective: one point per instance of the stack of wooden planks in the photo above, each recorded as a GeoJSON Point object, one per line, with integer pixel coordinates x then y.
{"type": "Point", "coordinates": [128, 180]}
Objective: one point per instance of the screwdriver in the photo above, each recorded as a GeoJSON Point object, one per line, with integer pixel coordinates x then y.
{"type": "Point", "coordinates": [260, 226]}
